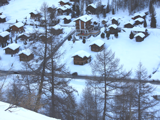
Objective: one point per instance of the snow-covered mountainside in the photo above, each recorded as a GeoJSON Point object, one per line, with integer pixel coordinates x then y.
{"type": "Point", "coordinates": [20, 114]}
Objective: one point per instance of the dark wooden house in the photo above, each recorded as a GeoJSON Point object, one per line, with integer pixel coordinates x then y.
{"type": "Point", "coordinates": [139, 37]}
{"type": "Point", "coordinates": [2, 18]}
{"type": "Point", "coordinates": [33, 15]}
{"type": "Point", "coordinates": [23, 36]}
{"type": "Point", "coordinates": [64, 2]}
{"type": "Point", "coordinates": [139, 21]}
{"type": "Point", "coordinates": [113, 29]}
{"type": "Point", "coordinates": [129, 25]}
{"type": "Point", "coordinates": [12, 49]}
{"type": "Point", "coordinates": [4, 36]}
{"type": "Point", "coordinates": [26, 55]}
{"type": "Point", "coordinates": [97, 45]}
{"type": "Point", "coordinates": [18, 27]}
{"type": "Point", "coordinates": [67, 19]}
{"type": "Point", "coordinates": [115, 21]}
{"type": "Point", "coordinates": [91, 9]}
{"type": "Point", "coordinates": [81, 58]}
{"type": "Point", "coordinates": [64, 10]}
{"type": "Point", "coordinates": [139, 15]}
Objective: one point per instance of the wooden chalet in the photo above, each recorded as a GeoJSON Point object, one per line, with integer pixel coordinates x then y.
{"type": "Point", "coordinates": [4, 36]}
{"type": "Point", "coordinates": [81, 57]}
{"type": "Point", "coordinates": [23, 36]}
{"type": "Point", "coordinates": [97, 45]}
{"type": "Point", "coordinates": [129, 24]}
{"type": "Point", "coordinates": [91, 9]}
{"type": "Point", "coordinates": [64, 2]}
{"type": "Point", "coordinates": [18, 27]}
{"type": "Point", "coordinates": [64, 10]}
{"type": "Point", "coordinates": [84, 27]}
{"type": "Point", "coordinates": [33, 15]}
{"type": "Point", "coordinates": [12, 49]}
{"type": "Point", "coordinates": [2, 18]}
{"type": "Point", "coordinates": [139, 21]}
{"type": "Point", "coordinates": [26, 55]}
{"type": "Point", "coordinates": [139, 37]}
{"type": "Point", "coordinates": [115, 21]}
{"type": "Point", "coordinates": [113, 29]}
{"type": "Point", "coordinates": [67, 19]}
{"type": "Point", "coordinates": [139, 15]}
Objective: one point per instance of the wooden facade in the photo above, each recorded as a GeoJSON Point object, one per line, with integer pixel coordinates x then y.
{"type": "Point", "coordinates": [10, 51]}
{"type": "Point", "coordinates": [96, 48]}
{"type": "Point", "coordinates": [81, 61]}
{"type": "Point", "coordinates": [139, 39]}
{"type": "Point", "coordinates": [90, 10]}
{"type": "Point", "coordinates": [23, 37]}
{"type": "Point", "coordinates": [115, 22]}
{"type": "Point", "coordinates": [24, 57]}
{"type": "Point", "coordinates": [16, 29]}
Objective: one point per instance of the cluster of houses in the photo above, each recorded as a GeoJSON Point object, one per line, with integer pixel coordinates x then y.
{"type": "Point", "coordinates": [82, 57]}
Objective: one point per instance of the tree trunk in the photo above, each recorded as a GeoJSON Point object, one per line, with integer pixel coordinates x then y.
{"type": "Point", "coordinates": [105, 100]}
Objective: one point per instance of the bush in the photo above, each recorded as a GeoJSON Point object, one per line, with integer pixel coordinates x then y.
{"type": "Point", "coordinates": [107, 35]}
{"type": "Point", "coordinates": [84, 41]}
{"type": "Point", "coordinates": [69, 38]}
{"type": "Point", "coordinates": [102, 35]}
{"type": "Point", "coordinates": [131, 36]}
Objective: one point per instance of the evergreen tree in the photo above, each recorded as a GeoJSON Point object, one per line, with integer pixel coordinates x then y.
{"type": "Point", "coordinates": [104, 13]}
{"type": "Point", "coordinates": [84, 41]}
{"type": "Point", "coordinates": [108, 10]}
{"type": "Point", "coordinates": [69, 38]}
{"type": "Point", "coordinates": [102, 35]}
{"type": "Point", "coordinates": [116, 34]}
{"type": "Point", "coordinates": [151, 8]}
{"type": "Point", "coordinates": [131, 36]}
{"type": "Point", "coordinates": [153, 21]}
{"type": "Point", "coordinates": [113, 11]}
{"type": "Point", "coordinates": [145, 23]}
{"type": "Point", "coordinates": [108, 35]}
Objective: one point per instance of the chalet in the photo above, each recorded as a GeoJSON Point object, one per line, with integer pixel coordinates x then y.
{"type": "Point", "coordinates": [84, 29]}
{"type": "Point", "coordinates": [67, 19]}
{"type": "Point", "coordinates": [12, 48]}
{"type": "Point", "coordinates": [91, 9]}
{"type": "Point", "coordinates": [23, 36]}
{"type": "Point", "coordinates": [81, 57]}
{"type": "Point", "coordinates": [115, 20]}
{"type": "Point", "coordinates": [26, 55]}
{"type": "Point", "coordinates": [64, 10]}
{"type": "Point", "coordinates": [64, 2]}
{"type": "Point", "coordinates": [33, 15]}
{"type": "Point", "coordinates": [2, 18]}
{"type": "Point", "coordinates": [4, 36]}
{"type": "Point", "coordinates": [18, 27]}
{"type": "Point", "coordinates": [139, 37]}
{"type": "Point", "coordinates": [139, 15]}
{"type": "Point", "coordinates": [113, 29]}
{"type": "Point", "coordinates": [97, 45]}
{"type": "Point", "coordinates": [139, 21]}
{"type": "Point", "coordinates": [129, 24]}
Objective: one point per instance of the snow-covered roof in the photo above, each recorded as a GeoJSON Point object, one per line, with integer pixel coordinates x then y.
{"type": "Point", "coordinates": [130, 22]}
{"type": "Point", "coordinates": [139, 14]}
{"type": "Point", "coordinates": [34, 12]}
{"type": "Point", "coordinates": [64, 7]}
{"type": "Point", "coordinates": [114, 18]}
{"type": "Point", "coordinates": [84, 18]}
{"type": "Point", "coordinates": [2, 16]}
{"type": "Point", "coordinates": [26, 34]}
{"type": "Point", "coordinates": [4, 34]}
{"type": "Point", "coordinates": [67, 17]}
{"type": "Point", "coordinates": [56, 27]}
{"type": "Point", "coordinates": [93, 5]}
{"type": "Point", "coordinates": [27, 52]}
{"type": "Point", "coordinates": [64, 1]}
{"type": "Point", "coordinates": [98, 42]}
{"type": "Point", "coordinates": [12, 46]}
{"type": "Point", "coordinates": [113, 26]}
{"type": "Point", "coordinates": [142, 35]}
{"type": "Point", "coordinates": [18, 25]}
{"type": "Point", "coordinates": [139, 19]}
{"type": "Point", "coordinates": [82, 54]}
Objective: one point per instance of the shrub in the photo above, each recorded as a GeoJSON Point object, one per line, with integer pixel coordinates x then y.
{"type": "Point", "coordinates": [84, 41]}
{"type": "Point", "coordinates": [116, 34]}
{"type": "Point", "coordinates": [131, 36]}
{"type": "Point", "coordinates": [102, 35]}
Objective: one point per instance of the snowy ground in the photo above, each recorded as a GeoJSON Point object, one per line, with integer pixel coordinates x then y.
{"type": "Point", "coordinates": [20, 114]}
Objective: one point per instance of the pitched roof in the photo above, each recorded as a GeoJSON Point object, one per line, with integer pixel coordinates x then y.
{"type": "Point", "coordinates": [114, 18]}
{"type": "Point", "coordinates": [18, 25]}
{"type": "Point", "coordinates": [84, 18]}
{"type": "Point", "coordinates": [82, 54]}
{"type": "Point", "coordinates": [26, 34]}
{"type": "Point", "coordinates": [93, 5]}
{"type": "Point", "coordinates": [65, 7]}
{"type": "Point", "coordinates": [113, 26]}
{"type": "Point", "coordinates": [2, 16]}
{"type": "Point", "coordinates": [130, 22]}
{"type": "Point", "coordinates": [139, 14]}
{"type": "Point", "coordinates": [12, 46]}
{"type": "Point", "coordinates": [98, 42]}
{"type": "Point", "coordinates": [67, 17]}
{"type": "Point", "coordinates": [4, 34]}
{"type": "Point", "coordinates": [27, 52]}
{"type": "Point", "coordinates": [139, 19]}
{"type": "Point", "coordinates": [142, 35]}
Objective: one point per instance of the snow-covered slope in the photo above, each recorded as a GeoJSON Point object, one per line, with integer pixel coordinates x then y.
{"type": "Point", "coordinates": [20, 114]}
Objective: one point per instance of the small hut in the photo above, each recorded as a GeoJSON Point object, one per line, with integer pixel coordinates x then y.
{"type": "Point", "coordinates": [97, 45]}
{"type": "Point", "coordinates": [18, 27]}
{"type": "Point", "coordinates": [33, 15]}
{"type": "Point", "coordinates": [67, 19]}
{"type": "Point", "coordinates": [139, 21]}
{"type": "Point", "coordinates": [23, 36]}
{"type": "Point", "coordinates": [129, 24]}
{"type": "Point", "coordinates": [12, 48]}
{"type": "Point", "coordinates": [81, 57]}
{"type": "Point", "coordinates": [66, 9]}
{"type": "Point", "coordinates": [139, 15]}
{"type": "Point", "coordinates": [26, 55]}
{"type": "Point", "coordinates": [4, 36]}
{"type": "Point", "coordinates": [115, 20]}
{"type": "Point", "coordinates": [113, 29]}
{"type": "Point", "coordinates": [2, 18]}
{"type": "Point", "coordinates": [91, 8]}
{"type": "Point", "coordinates": [139, 37]}
{"type": "Point", "coordinates": [64, 2]}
